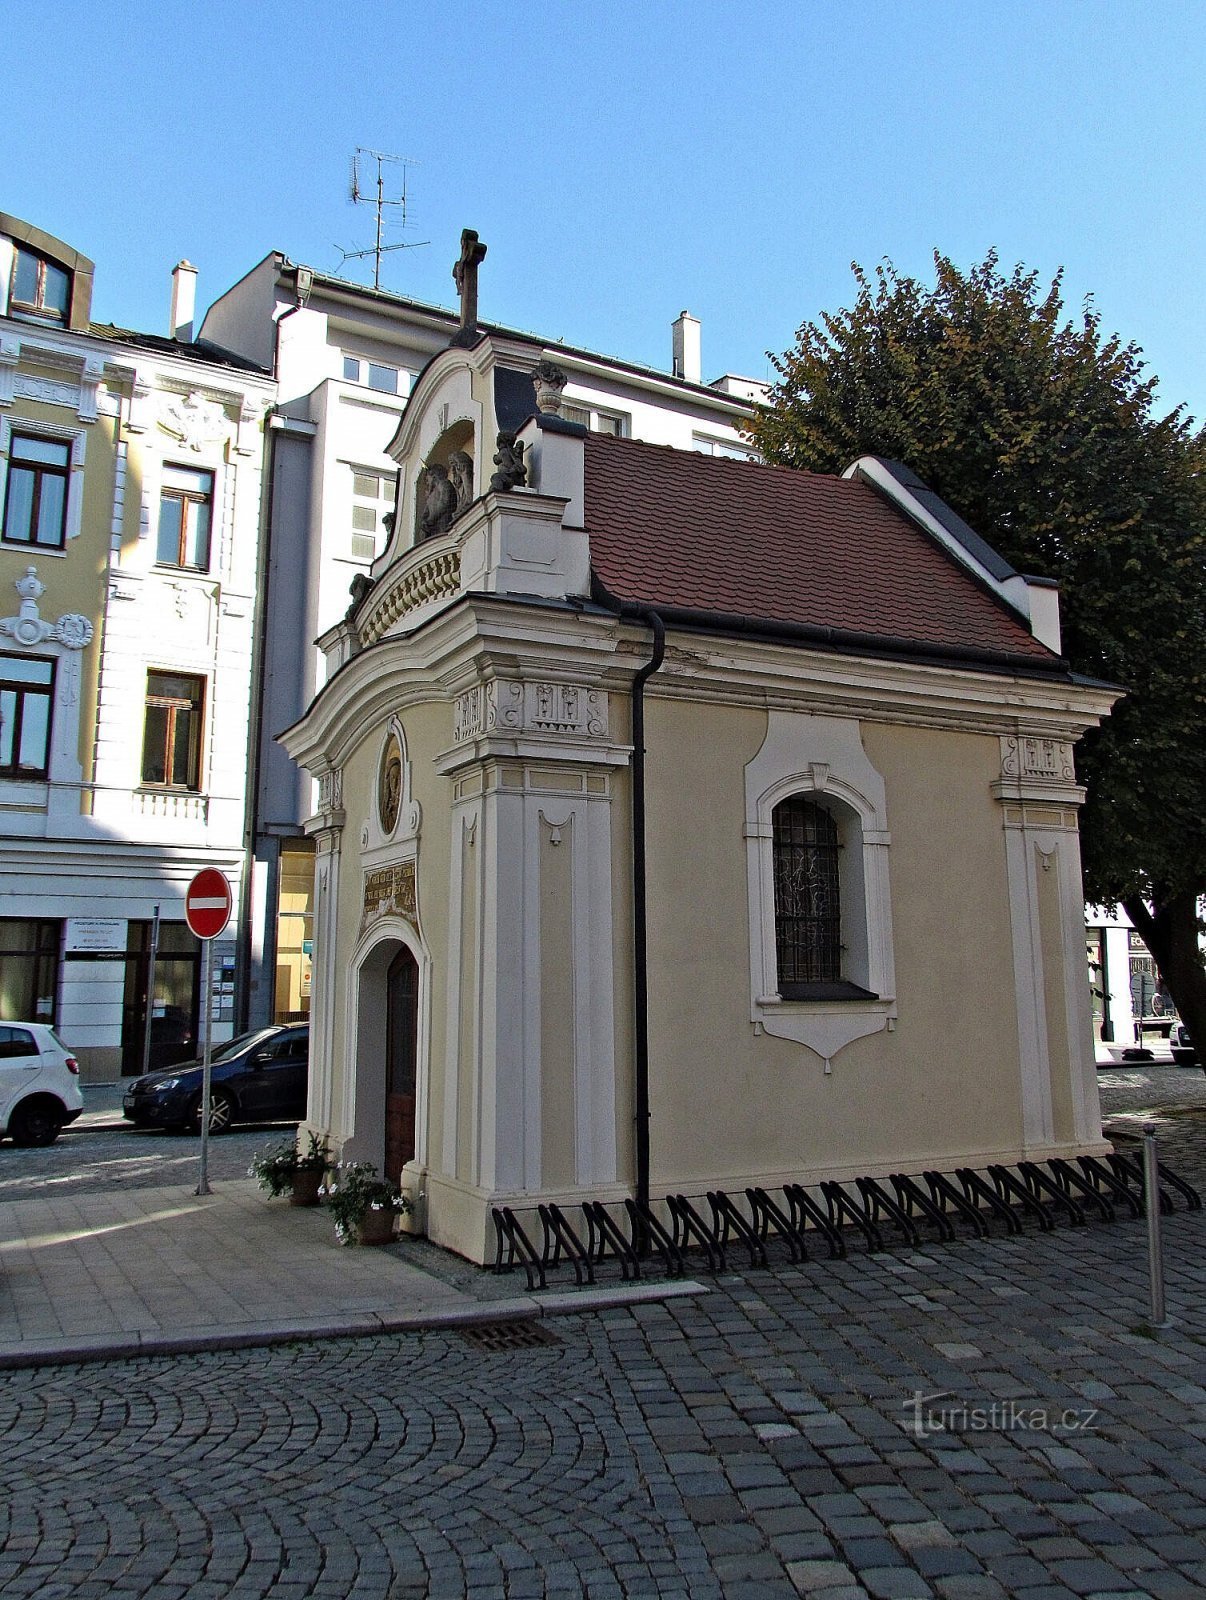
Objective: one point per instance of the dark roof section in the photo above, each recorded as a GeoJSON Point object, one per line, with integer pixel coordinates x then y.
{"type": "Point", "coordinates": [754, 544]}
{"type": "Point", "coordinates": [200, 350]}
{"type": "Point", "coordinates": [990, 559]}
{"type": "Point", "coordinates": [514, 397]}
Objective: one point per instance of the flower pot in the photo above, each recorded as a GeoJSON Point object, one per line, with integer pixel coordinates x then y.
{"type": "Point", "coordinates": [306, 1185]}
{"type": "Point", "coordinates": [376, 1227]}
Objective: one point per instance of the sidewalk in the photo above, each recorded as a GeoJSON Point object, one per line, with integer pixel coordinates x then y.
{"type": "Point", "coordinates": [123, 1270]}
{"type": "Point", "coordinates": [155, 1271]}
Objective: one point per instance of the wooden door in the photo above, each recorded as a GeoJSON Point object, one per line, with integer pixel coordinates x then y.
{"type": "Point", "coordinates": [401, 1049]}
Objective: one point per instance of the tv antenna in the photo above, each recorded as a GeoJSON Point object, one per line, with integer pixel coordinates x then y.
{"type": "Point", "coordinates": [361, 191]}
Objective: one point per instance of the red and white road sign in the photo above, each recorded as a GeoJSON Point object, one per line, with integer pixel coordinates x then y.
{"type": "Point", "coordinates": [207, 903]}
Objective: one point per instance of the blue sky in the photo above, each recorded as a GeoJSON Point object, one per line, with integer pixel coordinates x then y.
{"type": "Point", "coordinates": [626, 161]}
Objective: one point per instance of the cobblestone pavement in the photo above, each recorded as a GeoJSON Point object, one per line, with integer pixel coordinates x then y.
{"type": "Point", "coordinates": [100, 1149]}
{"type": "Point", "coordinates": [990, 1418]}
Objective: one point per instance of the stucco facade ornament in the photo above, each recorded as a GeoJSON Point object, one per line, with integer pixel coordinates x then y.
{"type": "Point", "coordinates": [72, 630]}
{"type": "Point", "coordinates": [49, 391]}
{"type": "Point", "coordinates": [1038, 768]}
{"type": "Point", "coordinates": [512, 472]}
{"type": "Point", "coordinates": [10, 358]}
{"type": "Point", "coordinates": [460, 475]}
{"type": "Point", "coordinates": [193, 419]}
{"type": "Point", "coordinates": [544, 708]}
{"type": "Point", "coordinates": [438, 501]}
{"type": "Point", "coordinates": [1037, 758]}
{"type": "Point", "coordinates": [389, 786]}
{"type": "Point", "coordinates": [330, 790]}
{"type": "Point", "coordinates": [390, 891]}
{"type": "Point", "coordinates": [549, 381]}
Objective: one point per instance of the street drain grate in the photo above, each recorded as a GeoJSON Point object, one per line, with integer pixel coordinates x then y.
{"type": "Point", "coordinates": [508, 1335]}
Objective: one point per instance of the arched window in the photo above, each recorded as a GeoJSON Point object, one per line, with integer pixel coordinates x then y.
{"type": "Point", "coordinates": [808, 908]}
{"type": "Point", "coordinates": [820, 913]}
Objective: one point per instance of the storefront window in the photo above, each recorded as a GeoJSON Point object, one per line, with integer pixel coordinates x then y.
{"type": "Point", "coordinates": [29, 969]}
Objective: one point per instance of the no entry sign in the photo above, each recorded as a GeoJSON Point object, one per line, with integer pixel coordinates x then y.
{"type": "Point", "coordinates": [207, 903]}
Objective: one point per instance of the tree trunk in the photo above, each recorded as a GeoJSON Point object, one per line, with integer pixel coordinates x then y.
{"type": "Point", "coordinates": [1170, 931]}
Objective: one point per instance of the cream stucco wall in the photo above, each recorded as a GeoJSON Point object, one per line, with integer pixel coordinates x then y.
{"type": "Point", "coordinates": [74, 576]}
{"type": "Point", "coordinates": [938, 1083]}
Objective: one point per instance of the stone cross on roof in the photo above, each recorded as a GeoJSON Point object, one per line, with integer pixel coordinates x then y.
{"type": "Point", "coordinates": [464, 274]}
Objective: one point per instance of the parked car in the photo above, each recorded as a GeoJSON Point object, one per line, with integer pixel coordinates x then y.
{"type": "Point", "coordinates": [258, 1077]}
{"type": "Point", "coordinates": [39, 1083]}
{"type": "Point", "coordinates": [1183, 1052]}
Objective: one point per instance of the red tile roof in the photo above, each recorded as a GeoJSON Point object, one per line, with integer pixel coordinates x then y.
{"type": "Point", "coordinates": [672, 528]}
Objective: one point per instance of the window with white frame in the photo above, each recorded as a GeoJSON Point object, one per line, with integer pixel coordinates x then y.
{"type": "Point", "coordinates": [186, 505]}
{"type": "Point", "coordinates": [26, 704]}
{"type": "Point", "coordinates": [171, 739]}
{"type": "Point", "coordinates": [35, 499]}
{"type": "Point", "coordinates": [379, 375]}
{"type": "Point", "coordinates": [615, 423]}
{"type": "Point", "coordinates": [372, 500]}
{"type": "Point", "coordinates": [707, 445]}
{"type": "Point", "coordinates": [41, 484]}
{"type": "Point", "coordinates": [821, 963]}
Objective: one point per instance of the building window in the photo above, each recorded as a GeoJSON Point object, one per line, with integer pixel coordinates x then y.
{"type": "Point", "coordinates": [705, 445]}
{"type": "Point", "coordinates": [26, 697]}
{"type": "Point", "coordinates": [171, 745]}
{"type": "Point", "coordinates": [822, 971]}
{"type": "Point", "coordinates": [29, 969]}
{"type": "Point", "coordinates": [39, 287]}
{"type": "Point", "coordinates": [35, 500]}
{"type": "Point", "coordinates": [808, 908]}
{"type": "Point", "coordinates": [615, 423]}
{"type": "Point", "coordinates": [372, 500]}
{"type": "Point", "coordinates": [186, 501]}
{"type": "Point", "coordinates": [377, 375]}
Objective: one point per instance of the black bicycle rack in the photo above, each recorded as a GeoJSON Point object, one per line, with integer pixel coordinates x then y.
{"type": "Point", "coordinates": [683, 1232]}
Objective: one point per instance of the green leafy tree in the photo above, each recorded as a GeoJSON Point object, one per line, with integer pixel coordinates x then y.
{"type": "Point", "coordinates": [1042, 433]}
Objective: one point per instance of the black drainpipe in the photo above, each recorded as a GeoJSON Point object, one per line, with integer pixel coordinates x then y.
{"type": "Point", "coordinates": [640, 931]}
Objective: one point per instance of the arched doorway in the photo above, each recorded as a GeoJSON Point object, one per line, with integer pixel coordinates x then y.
{"type": "Point", "coordinates": [401, 1057]}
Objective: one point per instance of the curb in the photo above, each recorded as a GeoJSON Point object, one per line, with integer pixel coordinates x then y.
{"type": "Point", "coordinates": [355, 1325]}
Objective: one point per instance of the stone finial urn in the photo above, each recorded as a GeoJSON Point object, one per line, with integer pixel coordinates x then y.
{"type": "Point", "coordinates": [550, 381]}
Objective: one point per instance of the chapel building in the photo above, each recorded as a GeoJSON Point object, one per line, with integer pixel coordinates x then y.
{"type": "Point", "coordinates": [685, 823]}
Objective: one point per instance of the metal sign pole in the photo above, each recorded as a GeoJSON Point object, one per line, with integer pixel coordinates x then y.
{"type": "Point", "coordinates": [206, 1069]}
{"type": "Point", "coordinates": [146, 1032]}
{"type": "Point", "coordinates": [1151, 1197]}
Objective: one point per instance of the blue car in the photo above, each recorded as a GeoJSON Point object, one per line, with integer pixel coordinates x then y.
{"type": "Point", "coordinates": [259, 1077]}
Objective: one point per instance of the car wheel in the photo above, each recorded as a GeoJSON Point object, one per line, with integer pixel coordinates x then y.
{"type": "Point", "coordinates": [221, 1113]}
{"type": "Point", "coordinates": [36, 1123]}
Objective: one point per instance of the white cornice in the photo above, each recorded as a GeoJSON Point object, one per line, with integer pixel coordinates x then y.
{"type": "Point", "coordinates": [476, 640]}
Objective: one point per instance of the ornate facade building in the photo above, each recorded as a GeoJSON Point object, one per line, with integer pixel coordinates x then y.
{"type": "Point", "coordinates": [130, 474]}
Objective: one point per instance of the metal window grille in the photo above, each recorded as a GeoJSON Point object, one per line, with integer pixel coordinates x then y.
{"type": "Point", "coordinates": [808, 915]}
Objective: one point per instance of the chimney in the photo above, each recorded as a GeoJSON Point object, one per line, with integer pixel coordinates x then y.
{"type": "Point", "coordinates": [685, 333]}
{"type": "Point", "coordinates": [184, 301]}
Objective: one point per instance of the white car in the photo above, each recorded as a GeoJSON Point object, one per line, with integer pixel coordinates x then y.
{"type": "Point", "coordinates": [39, 1083]}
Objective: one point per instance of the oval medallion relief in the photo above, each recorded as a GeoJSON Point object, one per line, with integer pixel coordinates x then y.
{"type": "Point", "coordinates": [389, 786]}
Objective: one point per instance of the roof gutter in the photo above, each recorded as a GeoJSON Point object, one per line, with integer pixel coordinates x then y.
{"type": "Point", "coordinates": [640, 921]}
{"type": "Point", "coordinates": [844, 640]}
